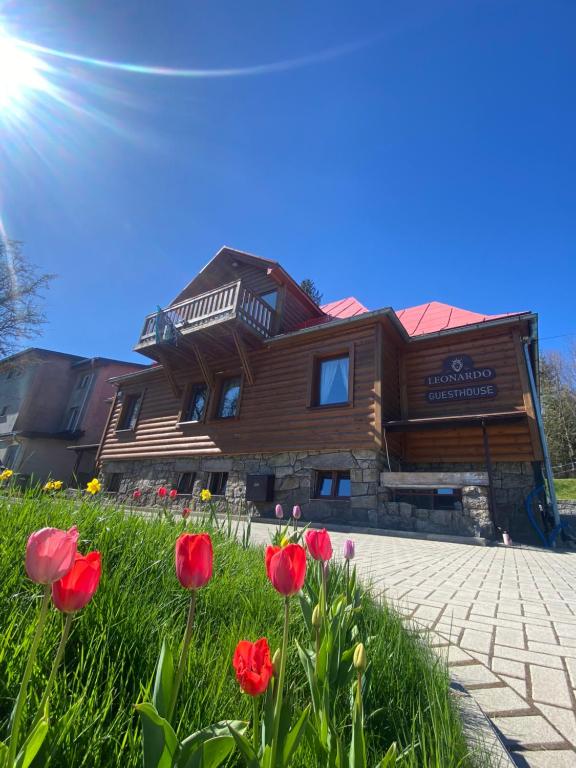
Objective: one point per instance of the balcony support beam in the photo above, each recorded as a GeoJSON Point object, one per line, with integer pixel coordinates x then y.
{"type": "Point", "coordinates": [169, 373]}
{"type": "Point", "coordinates": [203, 365]}
{"type": "Point", "coordinates": [244, 359]}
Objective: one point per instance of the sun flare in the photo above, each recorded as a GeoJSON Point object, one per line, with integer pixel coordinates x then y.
{"type": "Point", "coordinates": [20, 73]}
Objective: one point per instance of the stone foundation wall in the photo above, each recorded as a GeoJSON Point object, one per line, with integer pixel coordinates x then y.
{"type": "Point", "coordinates": [567, 507]}
{"type": "Point", "coordinates": [294, 474]}
{"type": "Point", "coordinates": [369, 504]}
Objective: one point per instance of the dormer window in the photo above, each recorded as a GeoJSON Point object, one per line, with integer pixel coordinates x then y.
{"type": "Point", "coordinates": [271, 298]}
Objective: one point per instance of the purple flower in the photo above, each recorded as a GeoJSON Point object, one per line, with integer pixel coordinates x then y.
{"type": "Point", "coordinates": [349, 549]}
{"type": "Point", "coordinates": [296, 512]}
{"type": "Point", "coordinates": [279, 511]}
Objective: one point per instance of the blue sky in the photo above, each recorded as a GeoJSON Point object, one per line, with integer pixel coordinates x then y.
{"type": "Point", "coordinates": [434, 159]}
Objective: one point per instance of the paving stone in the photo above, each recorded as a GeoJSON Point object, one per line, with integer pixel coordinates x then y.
{"type": "Point", "coordinates": [516, 684]}
{"type": "Point", "coordinates": [499, 700]}
{"type": "Point", "coordinates": [474, 674]}
{"type": "Point", "coordinates": [508, 667]}
{"type": "Point", "coordinates": [511, 637]}
{"type": "Point", "coordinates": [452, 654]}
{"type": "Point", "coordinates": [550, 686]}
{"type": "Point", "coordinates": [476, 641]}
{"type": "Point", "coordinates": [552, 649]}
{"type": "Point", "coordinates": [527, 729]}
{"type": "Point", "coordinates": [531, 657]}
{"type": "Point", "coordinates": [540, 634]}
{"type": "Point", "coordinates": [562, 719]}
{"type": "Point", "coordinates": [571, 664]}
{"type": "Point", "coordinates": [550, 758]}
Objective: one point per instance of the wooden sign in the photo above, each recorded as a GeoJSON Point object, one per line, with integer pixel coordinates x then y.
{"type": "Point", "coordinates": [470, 383]}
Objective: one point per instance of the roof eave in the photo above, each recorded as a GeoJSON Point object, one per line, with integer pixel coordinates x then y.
{"type": "Point", "coordinates": [476, 326]}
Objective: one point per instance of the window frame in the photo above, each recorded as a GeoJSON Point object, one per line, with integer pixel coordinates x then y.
{"type": "Point", "coordinates": [186, 402]}
{"type": "Point", "coordinates": [84, 381]}
{"type": "Point", "coordinates": [113, 482]}
{"type": "Point", "coordinates": [218, 397]}
{"type": "Point", "coordinates": [126, 398]}
{"type": "Point", "coordinates": [324, 355]}
{"type": "Point", "coordinates": [72, 425]}
{"type": "Point", "coordinates": [335, 475]}
{"type": "Point", "coordinates": [267, 293]}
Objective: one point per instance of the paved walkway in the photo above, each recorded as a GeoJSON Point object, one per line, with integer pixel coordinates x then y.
{"type": "Point", "coordinates": [505, 620]}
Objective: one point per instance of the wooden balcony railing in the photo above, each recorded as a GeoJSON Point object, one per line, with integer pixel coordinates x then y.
{"type": "Point", "coordinates": [230, 301]}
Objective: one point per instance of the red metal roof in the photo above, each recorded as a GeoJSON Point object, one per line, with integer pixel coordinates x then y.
{"type": "Point", "coordinates": [436, 316]}
{"type": "Point", "coordinates": [425, 318]}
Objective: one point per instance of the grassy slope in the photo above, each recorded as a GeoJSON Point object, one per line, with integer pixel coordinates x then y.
{"type": "Point", "coordinates": [115, 642]}
{"type": "Point", "coordinates": [565, 489]}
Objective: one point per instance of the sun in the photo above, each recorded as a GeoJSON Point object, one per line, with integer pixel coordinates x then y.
{"type": "Point", "coordinates": [21, 73]}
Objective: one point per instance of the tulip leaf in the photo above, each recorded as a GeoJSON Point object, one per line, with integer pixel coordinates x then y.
{"type": "Point", "coordinates": [164, 681]}
{"type": "Point", "coordinates": [357, 756]}
{"type": "Point", "coordinates": [292, 740]}
{"type": "Point", "coordinates": [245, 748]}
{"type": "Point", "coordinates": [32, 745]}
{"type": "Point", "coordinates": [311, 675]}
{"type": "Point", "coordinates": [160, 742]}
{"type": "Point", "coordinates": [208, 747]}
{"type": "Point", "coordinates": [3, 754]}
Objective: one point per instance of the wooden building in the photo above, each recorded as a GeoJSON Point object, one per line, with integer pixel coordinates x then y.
{"type": "Point", "coordinates": [421, 419]}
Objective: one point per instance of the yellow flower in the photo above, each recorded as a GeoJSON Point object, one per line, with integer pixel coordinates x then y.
{"type": "Point", "coordinates": [285, 541]}
{"type": "Point", "coordinates": [49, 486]}
{"type": "Point", "coordinates": [205, 494]}
{"type": "Point", "coordinates": [57, 485]}
{"type": "Point", "coordinates": [94, 486]}
{"type": "Point", "coordinates": [6, 474]}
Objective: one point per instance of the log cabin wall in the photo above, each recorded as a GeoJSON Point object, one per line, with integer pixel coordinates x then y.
{"type": "Point", "coordinates": [498, 348]}
{"type": "Point", "coordinates": [273, 414]}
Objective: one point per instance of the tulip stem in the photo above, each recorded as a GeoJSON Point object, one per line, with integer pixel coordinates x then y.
{"type": "Point", "coordinates": [21, 700]}
{"type": "Point", "coordinates": [255, 722]}
{"type": "Point", "coordinates": [55, 666]}
{"type": "Point", "coordinates": [278, 710]}
{"type": "Point", "coordinates": [347, 581]}
{"type": "Point", "coordinates": [183, 654]}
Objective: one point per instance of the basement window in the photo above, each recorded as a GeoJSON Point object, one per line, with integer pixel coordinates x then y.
{"type": "Point", "coordinates": [430, 498]}
{"type": "Point", "coordinates": [113, 482]}
{"type": "Point", "coordinates": [332, 485]}
{"type": "Point", "coordinates": [186, 483]}
{"type": "Point", "coordinates": [217, 483]}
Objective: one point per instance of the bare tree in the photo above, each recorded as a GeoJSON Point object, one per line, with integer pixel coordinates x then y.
{"type": "Point", "coordinates": [21, 294]}
{"type": "Point", "coordinates": [558, 396]}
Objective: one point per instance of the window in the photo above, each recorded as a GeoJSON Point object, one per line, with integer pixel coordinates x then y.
{"type": "Point", "coordinates": [217, 483]}
{"type": "Point", "coordinates": [271, 298]}
{"type": "Point", "coordinates": [130, 411]}
{"type": "Point", "coordinates": [72, 419]}
{"type": "Point", "coordinates": [195, 407]}
{"type": "Point", "coordinates": [430, 498]}
{"type": "Point", "coordinates": [4, 411]}
{"type": "Point", "coordinates": [113, 483]}
{"type": "Point", "coordinates": [186, 483]}
{"type": "Point", "coordinates": [229, 398]}
{"type": "Point", "coordinates": [83, 381]}
{"type": "Point", "coordinates": [332, 485]}
{"type": "Point", "coordinates": [331, 381]}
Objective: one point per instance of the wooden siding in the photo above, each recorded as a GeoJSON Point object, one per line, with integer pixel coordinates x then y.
{"type": "Point", "coordinates": [273, 413]}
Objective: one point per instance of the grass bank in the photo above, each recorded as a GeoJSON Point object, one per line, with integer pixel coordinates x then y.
{"type": "Point", "coordinates": [565, 488]}
{"type": "Point", "coordinates": [115, 641]}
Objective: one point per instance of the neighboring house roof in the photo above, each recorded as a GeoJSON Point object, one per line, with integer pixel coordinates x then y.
{"type": "Point", "coordinates": [75, 360]}
{"type": "Point", "coordinates": [432, 317]}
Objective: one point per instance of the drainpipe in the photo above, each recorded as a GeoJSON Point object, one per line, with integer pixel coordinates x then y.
{"type": "Point", "coordinates": [538, 412]}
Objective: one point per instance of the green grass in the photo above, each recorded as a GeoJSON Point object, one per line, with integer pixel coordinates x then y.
{"type": "Point", "coordinates": [566, 489]}
{"type": "Point", "coordinates": [115, 641]}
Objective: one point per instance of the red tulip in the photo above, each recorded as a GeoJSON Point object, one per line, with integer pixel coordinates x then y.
{"type": "Point", "coordinates": [319, 544]}
{"type": "Point", "coordinates": [185, 512]}
{"type": "Point", "coordinates": [77, 588]}
{"type": "Point", "coordinates": [253, 666]}
{"type": "Point", "coordinates": [173, 493]}
{"type": "Point", "coordinates": [50, 554]}
{"type": "Point", "coordinates": [286, 568]}
{"type": "Point", "coordinates": [194, 559]}
{"type": "Point", "coordinates": [162, 491]}
{"type": "Point", "coordinates": [137, 494]}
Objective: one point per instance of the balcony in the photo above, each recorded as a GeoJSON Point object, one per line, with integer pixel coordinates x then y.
{"type": "Point", "coordinates": [212, 320]}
